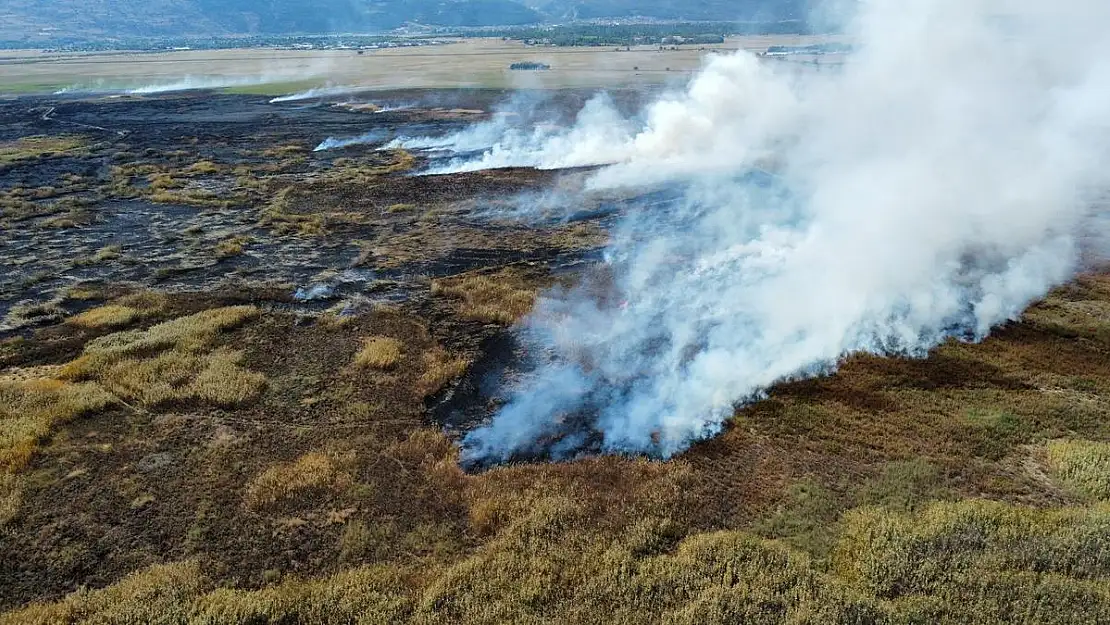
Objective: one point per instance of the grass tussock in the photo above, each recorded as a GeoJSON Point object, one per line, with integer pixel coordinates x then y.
{"type": "Point", "coordinates": [280, 151]}
{"type": "Point", "coordinates": [190, 333]}
{"type": "Point", "coordinates": [200, 198]}
{"type": "Point", "coordinates": [496, 298]}
{"type": "Point", "coordinates": [162, 181]}
{"type": "Point", "coordinates": [148, 302]}
{"type": "Point", "coordinates": [231, 247]}
{"type": "Point", "coordinates": [279, 216]}
{"type": "Point", "coordinates": [1082, 466]}
{"type": "Point", "coordinates": [203, 168]}
{"type": "Point", "coordinates": [379, 352]}
{"type": "Point", "coordinates": [178, 376]}
{"type": "Point", "coordinates": [11, 496]}
{"type": "Point", "coordinates": [31, 148]}
{"type": "Point", "coordinates": [108, 252]}
{"type": "Point", "coordinates": [30, 410]}
{"type": "Point", "coordinates": [403, 160]}
{"type": "Point", "coordinates": [110, 316]}
{"type": "Point", "coordinates": [440, 368]}
{"type": "Point", "coordinates": [309, 473]}
{"type": "Point", "coordinates": [174, 361]}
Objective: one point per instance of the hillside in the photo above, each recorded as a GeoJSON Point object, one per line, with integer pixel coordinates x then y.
{"type": "Point", "coordinates": [751, 10]}
{"type": "Point", "coordinates": [49, 20]}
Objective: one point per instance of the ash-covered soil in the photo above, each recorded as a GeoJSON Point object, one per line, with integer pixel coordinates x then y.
{"type": "Point", "coordinates": [167, 179]}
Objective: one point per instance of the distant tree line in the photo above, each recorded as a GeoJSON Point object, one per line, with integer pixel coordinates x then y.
{"type": "Point", "coordinates": [155, 44]}
{"type": "Point", "coordinates": [572, 34]}
{"type": "Point", "coordinates": [595, 34]}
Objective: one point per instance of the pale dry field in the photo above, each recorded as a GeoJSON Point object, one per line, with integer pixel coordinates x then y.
{"type": "Point", "coordinates": [466, 63]}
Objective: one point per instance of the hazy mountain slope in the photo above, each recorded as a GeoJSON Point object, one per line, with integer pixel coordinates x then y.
{"type": "Point", "coordinates": [770, 10]}
{"type": "Point", "coordinates": [34, 20]}
{"type": "Point", "coordinates": [40, 20]}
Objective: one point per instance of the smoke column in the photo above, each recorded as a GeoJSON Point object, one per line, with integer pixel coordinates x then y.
{"type": "Point", "coordinates": [934, 186]}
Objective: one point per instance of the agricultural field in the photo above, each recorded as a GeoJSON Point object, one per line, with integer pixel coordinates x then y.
{"type": "Point", "coordinates": [468, 63]}
{"type": "Point", "coordinates": [234, 370]}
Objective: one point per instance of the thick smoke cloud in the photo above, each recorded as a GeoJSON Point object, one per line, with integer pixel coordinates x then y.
{"type": "Point", "coordinates": [520, 135]}
{"type": "Point", "coordinates": [932, 187]}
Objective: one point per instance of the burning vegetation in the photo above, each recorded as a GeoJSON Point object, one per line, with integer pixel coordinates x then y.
{"type": "Point", "coordinates": [242, 380]}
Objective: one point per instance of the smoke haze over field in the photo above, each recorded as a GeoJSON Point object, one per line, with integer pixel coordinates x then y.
{"type": "Point", "coordinates": [932, 187]}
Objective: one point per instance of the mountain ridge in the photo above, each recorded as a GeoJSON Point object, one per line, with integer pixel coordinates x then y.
{"type": "Point", "coordinates": [91, 20]}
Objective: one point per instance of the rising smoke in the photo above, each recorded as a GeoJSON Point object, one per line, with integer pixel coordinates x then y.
{"type": "Point", "coordinates": [317, 93]}
{"type": "Point", "coordinates": [335, 143]}
{"type": "Point", "coordinates": [932, 187]}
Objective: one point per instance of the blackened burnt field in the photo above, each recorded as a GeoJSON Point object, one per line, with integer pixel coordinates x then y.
{"type": "Point", "coordinates": [233, 371]}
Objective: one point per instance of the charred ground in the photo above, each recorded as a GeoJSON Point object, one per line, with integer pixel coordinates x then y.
{"type": "Point", "coordinates": [230, 362]}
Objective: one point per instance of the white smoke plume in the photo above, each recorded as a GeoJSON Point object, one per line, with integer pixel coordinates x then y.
{"type": "Point", "coordinates": [189, 83]}
{"type": "Point", "coordinates": [587, 142]}
{"type": "Point", "coordinates": [316, 93]}
{"type": "Point", "coordinates": [933, 186]}
{"type": "Point", "coordinates": [335, 143]}
{"type": "Point", "coordinates": [522, 133]}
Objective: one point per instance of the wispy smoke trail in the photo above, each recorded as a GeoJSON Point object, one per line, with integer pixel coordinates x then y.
{"type": "Point", "coordinates": [189, 83]}
{"type": "Point", "coordinates": [317, 92]}
{"type": "Point", "coordinates": [503, 143]}
{"type": "Point", "coordinates": [933, 187]}
{"type": "Point", "coordinates": [369, 138]}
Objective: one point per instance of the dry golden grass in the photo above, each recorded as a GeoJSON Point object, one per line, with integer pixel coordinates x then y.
{"type": "Point", "coordinates": [192, 197]}
{"type": "Point", "coordinates": [203, 167]}
{"type": "Point", "coordinates": [11, 496]}
{"type": "Point", "coordinates": [1082, 466]}
{"type": "Point", "coordinates": [981, 562]}
{"type": "Point", "coordinates": [120, 312]}
{"type": "Point", "coordinates": [108, 252]}
{"type": "Point", "coordinates": [30, 148]}
{"type": "Point", "coordinates": [162, 181]}
{"type": "Point", "coordinates": [379, 352]}
{"type": "Point", "coordinates": [146, 301]}
{"type": "Point", "coordinates": [158, 594]}
{"type": "Point", "coordinates": [279, 151]}
{"type": "Point", "coordinates": [224, 382]}
{"type": "Point", "coordinates": [172, 362]}
{"type": "Point", "coordinates": [110, 316]}
{"type": "Point", "coordinates": [552, 561]}
{"type": "Point", "coordinates": [30, 410]}
{"type": "Point", "coordinates": [280, 218]}
{"type": "Point", "coordinates": [231, 247]}
{"type": "Point", "coordinates": [440, 368]}
{"type": "Point", "coordinates": [403, 161]}
{"type": "Point", "coordinates": [311, 472]}
{"type": "Point", "coordinates": [191, 332]}
{"type": "Point", "coordinates": [180, 376]}
{"type": "Point", "coordinates": [497, 298]}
